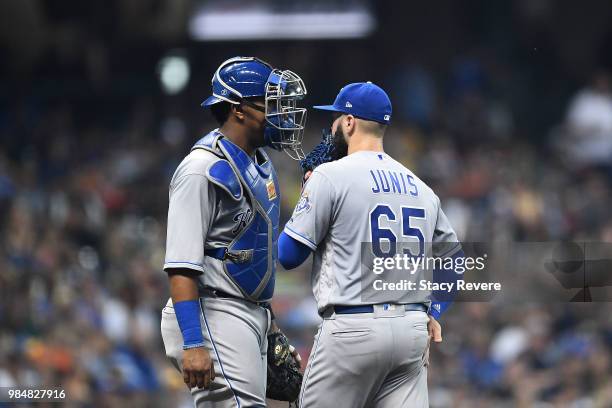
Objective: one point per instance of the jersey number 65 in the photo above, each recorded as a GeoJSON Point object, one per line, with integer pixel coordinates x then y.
{"type": "Point", "coordinates": [382, 234]}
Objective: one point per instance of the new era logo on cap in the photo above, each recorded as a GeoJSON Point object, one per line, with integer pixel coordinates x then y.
{"type": "Point", "coordinates": [363, 100]}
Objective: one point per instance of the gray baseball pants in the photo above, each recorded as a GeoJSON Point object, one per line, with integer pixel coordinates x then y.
{"type": "Point", "coordinates": [235, 332]}
{"type": "Point", "coordinates": [374, 360]}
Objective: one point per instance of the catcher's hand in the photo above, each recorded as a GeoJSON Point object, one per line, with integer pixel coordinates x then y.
{"type": "Point", "coordinates": [198, 368]}
{"type": "Point", "coordinates": [284, 376]}
{"type": "Point", "coordinates": [322, 153]}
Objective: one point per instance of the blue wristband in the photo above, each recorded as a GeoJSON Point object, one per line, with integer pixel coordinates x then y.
{"type": "Point", "coordinates": [188, 316]}
{"type": "Point", "coordinates": [435, 310]}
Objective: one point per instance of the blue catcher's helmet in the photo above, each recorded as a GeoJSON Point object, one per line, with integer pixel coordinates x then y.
{"type": "Point", "coordinates": [237, 78]}
{"type": "Point", "coordinates": [246, 77]}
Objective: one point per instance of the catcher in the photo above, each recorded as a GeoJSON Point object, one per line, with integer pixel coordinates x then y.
{"type": "Point", "coordinates": [218, 328]}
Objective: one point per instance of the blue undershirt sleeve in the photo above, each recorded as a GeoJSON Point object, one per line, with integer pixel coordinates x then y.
{"type": "Point", "coordinates": [441, 300]}
{"type": "Point", "coordinates": [291, 252]}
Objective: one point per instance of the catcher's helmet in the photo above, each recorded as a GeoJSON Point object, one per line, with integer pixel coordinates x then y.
{"type": "Point", "coordinates": [237, 78]}
{"type": "Point", "coordinates": [245, 77]}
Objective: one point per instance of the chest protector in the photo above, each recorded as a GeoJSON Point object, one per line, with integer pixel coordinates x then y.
{"type": "Point", "coordinates": [250, 258]}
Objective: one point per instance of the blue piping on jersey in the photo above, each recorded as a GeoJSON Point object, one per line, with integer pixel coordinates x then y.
{"type": "Point", "coordinates": [458, 244]}
{"type": "Point", "coordinates": [184, 262]}
{"type": "Point", "coordinates": [308, 242]}
{"type": "Point", "coordinates": [217, 353]}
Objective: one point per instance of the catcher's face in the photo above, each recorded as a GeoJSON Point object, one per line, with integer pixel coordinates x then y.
{"type": "Point", "coordinates": [254, 119]}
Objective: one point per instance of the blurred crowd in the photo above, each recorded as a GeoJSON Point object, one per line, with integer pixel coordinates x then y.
{"type": "Point", "coordinates": [83, 201]}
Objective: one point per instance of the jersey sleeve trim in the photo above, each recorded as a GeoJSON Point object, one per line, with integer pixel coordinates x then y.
{"type": "Point", "coordinates": [301, 238]}
{"type": "Point", "coordinates": [183, 264]}
{"type": "Point", "coordinates": [453, 251]}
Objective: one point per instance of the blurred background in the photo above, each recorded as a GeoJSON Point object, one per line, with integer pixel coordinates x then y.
{"type": "Point", "coordinates": [503, 107]}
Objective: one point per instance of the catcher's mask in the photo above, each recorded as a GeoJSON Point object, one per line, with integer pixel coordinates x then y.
{"type": "Point", "coordinates": [239, 78]}
{"type": "Point", "coordinates": [285, 120]}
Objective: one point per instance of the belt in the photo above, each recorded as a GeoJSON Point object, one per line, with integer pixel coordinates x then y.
{"type": "Point", "coordinates": [216, 293]}
{"type": "Point", "coordinates": [409, 307]}
{"type": "Point", "coordinates": [223, 254]}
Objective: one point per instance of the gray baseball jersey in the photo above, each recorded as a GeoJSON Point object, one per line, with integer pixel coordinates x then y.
{"type": "Point", "coordinates": [201, 215]}
{"type": "Point", "coordinates": [366, 197]}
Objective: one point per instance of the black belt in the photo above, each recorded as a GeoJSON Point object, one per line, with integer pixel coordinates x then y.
{"type": "Point", "coordinates": [216, 293]}
{"type": "Point", "coordinates": [223, 254]}
{"type": "Point", "coordinates": [409, 307]}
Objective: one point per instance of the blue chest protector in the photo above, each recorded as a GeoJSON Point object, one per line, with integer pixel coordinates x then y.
{"type": "Point", "coordinates": [250, 258]}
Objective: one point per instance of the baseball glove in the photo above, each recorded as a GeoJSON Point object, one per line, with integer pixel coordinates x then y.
{"type": "Point", "coordinates": [284, 376]}
{"type": "Point", "coordinates": [322, 153]}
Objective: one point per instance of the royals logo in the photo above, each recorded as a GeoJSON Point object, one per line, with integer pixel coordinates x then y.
{"type": "Point", "coordinates": [271, 190]}
{"type": "Point", "coordinates": [242, 219]}
{"type": "Point", "coordinates": [303, 205]}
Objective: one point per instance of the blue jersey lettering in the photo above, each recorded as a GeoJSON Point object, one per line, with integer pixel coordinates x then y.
{"type": "Point", "coordinates": [387, 181]}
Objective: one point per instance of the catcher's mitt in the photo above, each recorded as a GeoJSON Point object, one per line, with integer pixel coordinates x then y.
{"type": "Point", "coordinates": [322, 153]}
{"type": "Point", "coordinates": [284, 376]}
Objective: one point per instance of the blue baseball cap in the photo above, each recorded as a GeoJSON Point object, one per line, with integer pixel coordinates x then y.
{"type": "Point", "coordinates": [363, 100]}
